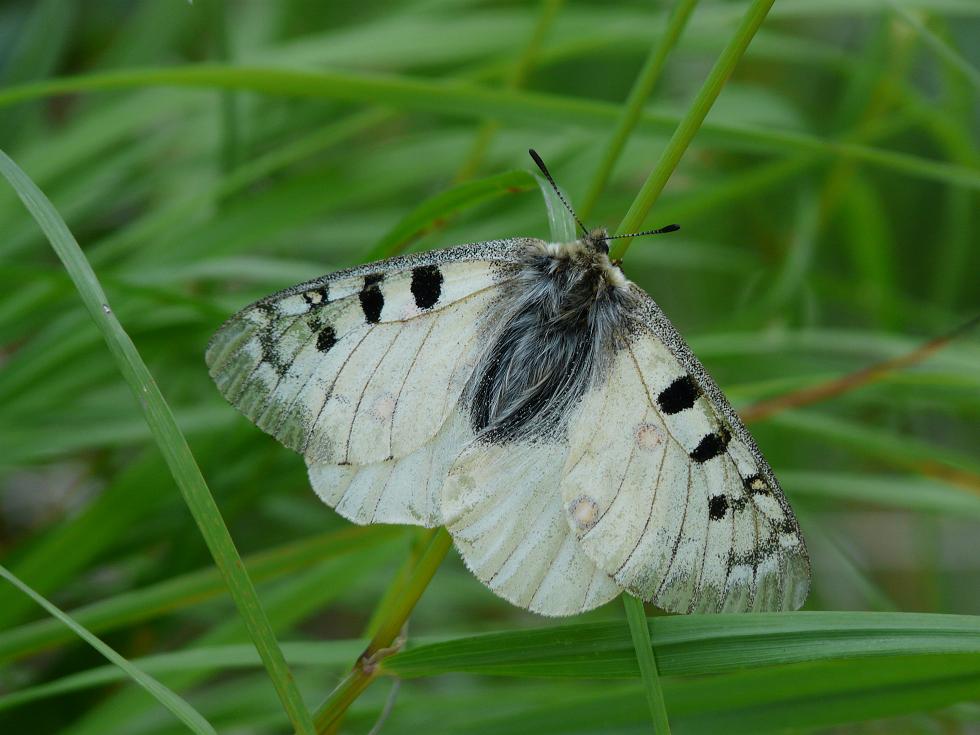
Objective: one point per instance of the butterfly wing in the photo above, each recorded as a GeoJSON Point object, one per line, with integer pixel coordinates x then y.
{"type": "Point", "coordinates": [667, 492]}
{"type": "Point", "coordinates": [363, 366]}
{"type": "Point", "coordinates": [402, 490]}
{"type": "Point", "coordinates": [501, 505]}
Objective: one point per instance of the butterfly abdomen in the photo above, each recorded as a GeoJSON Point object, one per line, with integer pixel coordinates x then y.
{"type": "Point", "coordinates": [562, 318]}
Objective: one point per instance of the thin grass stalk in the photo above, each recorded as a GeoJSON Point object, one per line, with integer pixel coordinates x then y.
{"type": "Point", "coordinates": [690, 124]}
{"type": "Point", "coordinates": [384, 641]}
{"type": "Point", "coordinates": [177, 705]}
{"type": "Point", "coordinates": [463, 98]}
{"type": "Point", "coordinates": [640, 632]}
{"type": "Point", "coordinates": [169, 439]}
{"type": "Point", "coordinates": [644, 201]}
{"type": "Point", "coordinates": [642, 88]}
{"type": "Point", "coordinates": [515, 80]}
{"type": "Point", "coordinates": [946, 53]}
{"type": "Point", "coordinates": [217, 18]}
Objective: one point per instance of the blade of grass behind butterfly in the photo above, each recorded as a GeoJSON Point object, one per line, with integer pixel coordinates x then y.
{"type": "Point", "coordinates": [945, 51]}
{"type": "Point", "coordinates": [185, 590]}
{"type": "Point", "coordinates": [629, 117]}
{"type": "Point", "coordinates": [333, 654]}
{"type": "Point", "coordinates": [514, 80]}
{"type": "Point", "coordinates": [798, 697]}
{"type": "Point", "coordinates": [287, 604]}
{"type": "Point", "coordinates": [434, 211]}
{"type": "Point", "coordinates": [690, 124]}
{"type": "Point", "coordinates": [456, 98]}
{"type": "Point", "coordinates": [953, 467]}
{"type": "Point", "coordinates": [169, 699]}
{"type": "Point", "coordinates": [169, 439]}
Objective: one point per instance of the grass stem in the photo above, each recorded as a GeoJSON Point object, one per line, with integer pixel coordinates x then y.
{"type": "Point", "coordinates": [169, 439]}
{"type": "Point", "coordinates": [640, 632]}
{"type": "Point", "coordinates": [384, 641]}
{"type": "Point", "coordinates": [642, 88]}
{"type": "Point", "coordinates": [690, 124]}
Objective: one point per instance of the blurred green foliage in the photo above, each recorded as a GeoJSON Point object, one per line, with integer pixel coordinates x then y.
{"type": "Point", "coordinates": [205, 154]}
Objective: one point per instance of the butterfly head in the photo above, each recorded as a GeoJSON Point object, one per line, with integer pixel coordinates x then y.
{"type": "Point", "coordinates": [596, 239]}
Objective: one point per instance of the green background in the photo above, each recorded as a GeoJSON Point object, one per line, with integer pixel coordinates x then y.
{"type": "Point", "coordinates": [205, 154]}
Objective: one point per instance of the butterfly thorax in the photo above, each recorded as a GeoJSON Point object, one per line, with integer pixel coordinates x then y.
{"type": "Point", "coordinates": [565, 314]}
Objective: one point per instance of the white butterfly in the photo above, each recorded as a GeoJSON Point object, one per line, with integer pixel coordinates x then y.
{"type": "Point", "coordinates": [536, 403]}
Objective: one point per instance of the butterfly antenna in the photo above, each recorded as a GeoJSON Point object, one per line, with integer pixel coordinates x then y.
{"type": "Point", "coordinates": [659, 231]}
{"type": "Point", "coordinates": [547, 175]}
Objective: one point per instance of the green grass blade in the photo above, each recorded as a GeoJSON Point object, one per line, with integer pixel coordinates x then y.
{"type": "Point", "coordinates": [445, 204]}
{"type": "Point", "coordinates": [463, 98]}
{"type": "Point", "coordinates": [321, 654]}
{"type": "Point", "coordinates": [169, 699]}
{"type": "Point", "coordinates": [690, 124]}
{"type": "Point", "coordinates": [168, 437]}
{"type": "Point", "coordinates": [949, 55]}
{"type": "Point", "coordinates": [190, 589]}
{"type": "Point", "coordinates": [695, 644]}
{"type": "Point", "coordinates": [640, 633]}
{"type": "Point", "coordinates": [633, 109]}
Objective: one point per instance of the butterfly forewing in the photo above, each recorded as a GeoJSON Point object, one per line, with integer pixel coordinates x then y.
{"type": "Point", "coordinates": [671, 497]}
{"type": "Point", "coordinates": [365, 364]}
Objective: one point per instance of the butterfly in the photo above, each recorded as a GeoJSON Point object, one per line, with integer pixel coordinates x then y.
{"type": "Point", "coordinates": [528, 397]}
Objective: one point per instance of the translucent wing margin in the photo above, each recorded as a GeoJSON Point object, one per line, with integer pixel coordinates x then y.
{"type": "Point", "coordinates": [363, 365]}
{"type": "Point", "coordinates": [667, 492]}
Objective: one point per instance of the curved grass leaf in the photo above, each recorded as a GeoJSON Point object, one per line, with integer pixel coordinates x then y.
{"type": "Point", "coordinates": [435, 210]}
{"type": "Point", "coordinates": [790, 698]}
{"type": "Point", "coordinates": [190, 589]}
{"type": "Point", "coordinates": [168, 437]}
{"type": "Point", "coordinates": [169, 699]}
{"type": "Point", "coordinates": [695, 644]}
{"type": "Point", "coordinates": [454, 98]}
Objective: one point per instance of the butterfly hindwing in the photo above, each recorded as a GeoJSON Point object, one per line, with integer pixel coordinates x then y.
{"type": "Point", "coordinates": [403, 490]}
{"type": "Point", "coordinates": [501, 507]}
{"type": "Point", "coordinates": [363, 365]}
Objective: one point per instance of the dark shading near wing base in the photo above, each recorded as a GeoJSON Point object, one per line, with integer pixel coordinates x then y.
{"type": "Point", "coordinates": [564, 322]}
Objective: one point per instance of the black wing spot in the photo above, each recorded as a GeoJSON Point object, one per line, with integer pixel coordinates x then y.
{"type": "Point", "coordinates": [426, 285]}
{"type": "Point", "coordinates": [787, 525]}
{"type": "Point", "coordinates": [326, 339]}
{"type": "Point", "coordinates": [711, 445]}
{"type": "Point", "coordinates": [318, 297]}
{"type": "Point", "coordinates": [756, 485]}
{"type": "Point", "coordinates": [372, 300]}
{"type": "Point", "coordinates": [270, 352]}
{"type": "Point", "coordinates": [679, 395]}
{"type": "Point", "coordinates": [717, 507]}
